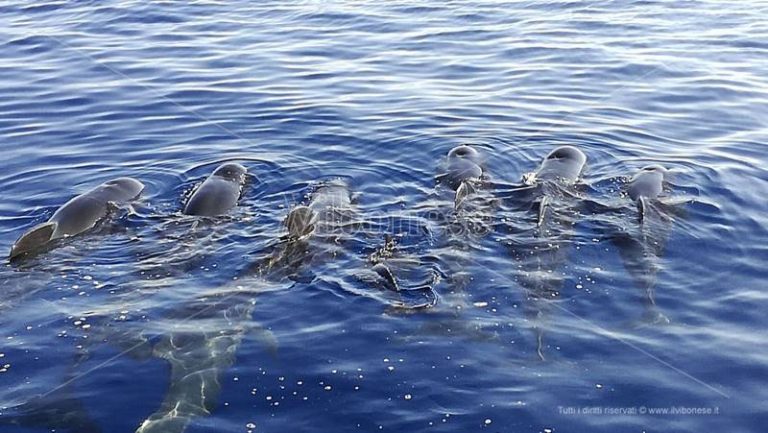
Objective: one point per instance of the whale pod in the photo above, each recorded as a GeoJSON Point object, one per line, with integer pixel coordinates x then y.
{"type": "Point", "coordinates": [79, 214]}
{"type": "Point", "coordinates": [219, 192]}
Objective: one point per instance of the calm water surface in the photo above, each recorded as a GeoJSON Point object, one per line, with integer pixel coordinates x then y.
{"type": "Point", "coordinates": [376, 93]}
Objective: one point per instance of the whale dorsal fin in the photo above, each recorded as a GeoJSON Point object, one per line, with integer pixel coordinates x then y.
{"type": "Point", "coordinates": [300, 222]}
{"type": "Point", "coordinates": [542, 210]}
{"type": "Point", "coordinates": [462, 192]}
{"type": "Point", "coordinates": [33, 239]}
{"type": "Point", "coordinates": [643, 208]}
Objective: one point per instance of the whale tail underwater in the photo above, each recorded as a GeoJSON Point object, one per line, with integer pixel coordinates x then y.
{"type": "Point", "coordinates": [60, 411]}
{"type": "Point", "coordinates": [78, 215]}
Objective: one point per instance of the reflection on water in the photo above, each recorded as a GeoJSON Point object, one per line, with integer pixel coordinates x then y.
{"type": "Point", "coordinates": [428, 301]}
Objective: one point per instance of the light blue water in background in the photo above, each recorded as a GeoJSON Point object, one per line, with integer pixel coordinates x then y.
{"type": "Point", "coordinates": [377, 93]}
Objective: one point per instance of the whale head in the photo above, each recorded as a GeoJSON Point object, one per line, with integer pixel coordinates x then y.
{"type": "Point", "coordinates": [655, 168]}
{"type": "Point", "coordinates": [463, 163]}
{"type": "Point", "coordinates": [648, 182]}
{"type": "Point", "coordinates": [464, 152]}
{"type": "Point", "coordinates": [231, 171]}
{"type": "Point", "coordinates": [123, 188]}
{"type": "Point", "coordinates": [567, 153]}
{"type": "Point", "coordinates": [565, 163]}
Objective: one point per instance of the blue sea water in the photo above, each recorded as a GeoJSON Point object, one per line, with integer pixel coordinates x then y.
{"type": "Point", "coordinates": [377, 93]}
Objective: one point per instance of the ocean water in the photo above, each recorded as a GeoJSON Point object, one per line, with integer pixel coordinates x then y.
{"type": "Point", "coordinates": [95, 333]}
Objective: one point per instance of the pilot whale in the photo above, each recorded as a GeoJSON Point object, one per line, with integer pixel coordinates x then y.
{"type": "Point", "coordinates": [219, 192]}
{"type": "Point", "coordinates": [78, 215]}
{"type": "Point", "coordinates": [560, 169]}
{"type": "Point", "coordinates": [646, 185]}
{"type": "Point", "coordinates": [329, 205]}
{"type": "Point", "coordinates": [641, 245]}
{"type": "Point", "coordinates": [542, 247]}
{"type": "Point", "coordinates": [463, 170]}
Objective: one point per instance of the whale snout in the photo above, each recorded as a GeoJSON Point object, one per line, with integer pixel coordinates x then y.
{"type": "Point", "coordinates": [125, 187]}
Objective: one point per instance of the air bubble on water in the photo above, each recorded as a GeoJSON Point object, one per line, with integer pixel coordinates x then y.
{"type": "Point", "coordinates": [408, 396]}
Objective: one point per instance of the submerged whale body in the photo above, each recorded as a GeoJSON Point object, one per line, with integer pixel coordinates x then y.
{"type": "Point", "coordinates": [542, 249]}
{"type": "Point", "coordinates": [641, 246]}
{"type": "Point", "coordinates": [218, 193]}
{"type": "Point", "coordinates": [78, 215]}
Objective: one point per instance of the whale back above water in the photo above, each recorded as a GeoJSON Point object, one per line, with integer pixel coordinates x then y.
{"type": "Point", "coordinates": [219, 193]}
{"type": "Point", "coordinates": [79, 214]}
